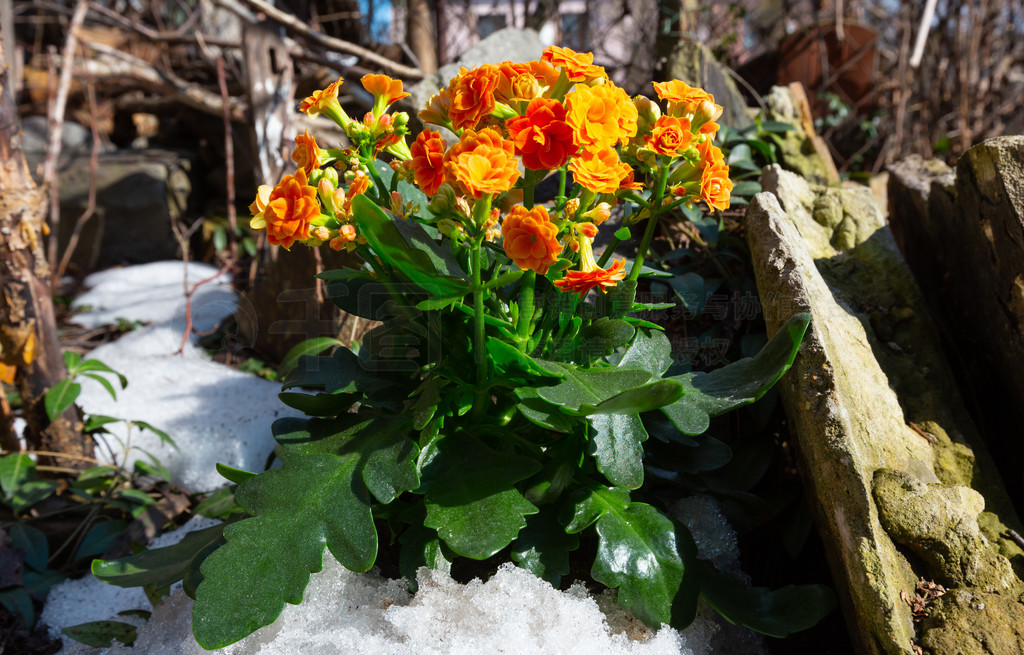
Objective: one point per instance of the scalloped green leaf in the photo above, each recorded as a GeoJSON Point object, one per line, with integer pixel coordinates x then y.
{"type": "Point", "coordinates": [650, 351]}
{"type": "Point", "coordinates": [638, 552]}
{"type": "Point", "coordinates": [776, 613]}
{"type": "Point", "coordinates": [707, 395]}
{"type": "Point", "coordinates": [321, 404]}
{"type": "Point", "coordinates": [314, 500]}
{"type": "Point", "coordinates": [616, 444]}
{"type": "Point", "coordinates": [101, 634]}
{"type": "Point", "coordinates": [589, 387]}
{"type": "Point", "coordinates": [543, 548]}
{"type": "Point", "coordinates": [470, 495]}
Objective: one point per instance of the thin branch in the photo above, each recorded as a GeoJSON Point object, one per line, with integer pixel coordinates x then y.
{"type": "Point", "coordinates": [229, 160]}
{"type": "Point", "coordinates": [55, 124]}
{"type": "Point", "coordinates": [297, 26]}
{"type": "Point", "coordinates": [90, 207]}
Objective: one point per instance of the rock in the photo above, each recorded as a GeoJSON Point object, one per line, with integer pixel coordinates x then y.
{"type": "Point", "coordinates": [939, 523]}
{"type": "Point", "coordinates": [870, 391]}
{"type": "Point", "coordinates": [693, 63]}
{"type": "Point", "coordinates": [509, 44]}
{"type": "Point", "coordinates": [962, 232]}
{"type": "Point", "coordinates": [978, 623]}
{"type": "Point", "coordinates": [139, 193]}
{"type": "Point", "coordinates": [800, 150]}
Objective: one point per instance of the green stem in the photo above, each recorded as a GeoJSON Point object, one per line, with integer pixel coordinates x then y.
{"type": "Point", "coordinates": [652, 223]}
{"type": "Point", "coordinates": [480, 397]}
{"type": "Point", "coordinates": [529, 182]}
{"type": "Point", "coordinates": [523, 328]}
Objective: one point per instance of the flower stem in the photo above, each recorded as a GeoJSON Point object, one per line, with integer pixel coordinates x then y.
{"type": "Point", "coordinates": [523, 328]}
{"type": "Point", "coordinates": [652, 223]}
{"type": "Point", "coordinates": [480, 397]}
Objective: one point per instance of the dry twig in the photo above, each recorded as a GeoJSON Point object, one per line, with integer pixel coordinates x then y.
{"type": "Point", "coordinates": [90, 206]}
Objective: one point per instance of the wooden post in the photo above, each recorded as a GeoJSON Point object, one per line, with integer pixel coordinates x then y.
{"type": "Point", "coordinates": [28, 327]}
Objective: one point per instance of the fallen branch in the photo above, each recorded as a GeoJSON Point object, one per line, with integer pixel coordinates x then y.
{"type": "Point", "coordinates": [297, 26]}
{"type": "Point", "coordinates": [116, 65]}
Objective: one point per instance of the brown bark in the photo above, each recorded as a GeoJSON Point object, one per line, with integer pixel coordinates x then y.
{"type": "Point", "coordinates": [28, 328]}
{"type": "Point", "coordinates": [419, 30]}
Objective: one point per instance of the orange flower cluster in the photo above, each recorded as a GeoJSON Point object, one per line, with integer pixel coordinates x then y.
{"type": "Point", "coordinates": [559, 112]}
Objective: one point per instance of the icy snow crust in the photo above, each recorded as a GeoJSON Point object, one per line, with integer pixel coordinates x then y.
{"type": "Point", "coordinates": [217, 414]}
{"type": "Point", "coordinates": [213, 412]}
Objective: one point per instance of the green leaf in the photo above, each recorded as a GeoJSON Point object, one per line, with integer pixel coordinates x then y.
{"type": "Point", "coordinates": [310, 347]}
{"type": "Point", "coordinates": [540, 412]}
{"type": "Point", "coordinates": [103, 381]}
{"type": "Point", "coordinates": [470, 495]}
{"type": "Point", "coordinates": [507, 359]}
{"type": "Point", "coordinates": [638, 551]}
{"type": "Point", "coordinates": [543, 548]}
{"type": "Point", "coordinates": [385, 456]}
{"type": "Point", "coordinates": [30, 493]}
{"type": "Point", "coordinates": [238, 476]}
{"type": "Point", "coordinates": [592, 504]}
{"type": "Point", "coordinates": [15, 470]}
{"type": "Point", "coordinates": [101, 634]}
{"type": "Point", "coordinates": [100, 537]}
{"type": "Point", "coordinates": [71, 360]}
{"type": "Point", "coordinates": [220, 239]}
{"type": "Point", "coordinates": [335, 373]}
{"type": "Point", "coordinates": [39, 583]}
{"type": "Point", "coordinates": [96, 365]}
{"type": "Point", "coordinates": [159, 567]}
{"type": "Point", "coordinates": [616, 445]}
{"type": "Point", "coordinates": [622, 234]}
{"type": "Point", "coordinates": [618, 301]}
{"type": "Point", "coordinates": [586, 388]}
{"type": "Point", "coordinates": [321, 404]}
{"type": "Point", "coordinates": [420, 547]}
{"type": "Point", "coordinates": [407, 246]}
{"type": "Point", "coordinates": [136, 496]}
{"type": "Point", "coordinates": [775, 613]}
{"type": "Point", "coordinates": [220, 504]}
{"type": "Point", "coordinates": [60, 396]}
{"type": "Point", "coordinates": [650, 351]}
{"type": "Point", "coordinates": [776, 127]}
{"type": "Point", "coordinates": [32, 542]}
{"type": "Point", "coordinates": [707, 395]}
{"type": "Point", "coordinates": [18, 602]}
{"type": "Point", "coordinates": [95, 421]}
{"type": "Point", "coordinates": [746, 188]}
{"type": "Point", "coordinates": [606, 334]}
{"type": "Point", "coordinates": [165, 438]}
{"type": "Point", "coordinates": [313, 500]}
{"type": "Point", "coordinates": [642, 399]}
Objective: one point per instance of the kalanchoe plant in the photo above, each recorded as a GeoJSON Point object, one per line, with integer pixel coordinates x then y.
{"type": "Point", "coordinates": [503, 403]}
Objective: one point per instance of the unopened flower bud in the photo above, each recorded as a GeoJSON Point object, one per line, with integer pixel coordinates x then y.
{"type": "Point", "coordinates": [326, 192]}
{"type": "Point", "coordinates": [321, 233]}
{"type": "Point", "coordinates": [588, 230]}
{"type": "Point", "coordinates": [647, 113]}
{"type": "Point", "coordinates": [706, 112]}
{"type": "Point", "coordinates": [397, 204]}
{"type": "Point", "coordinates": [503, 112]}
{"type": "Point", "coordinates": [526, 87]}
{"type": "Point", "coordinates": [444, 200]}
{"type": "Point", "coordinates": [400, 121]}
{"type": "Point", "coordinates": [315, 176]}
{"type": "Point", "coordinates": [600, 213]}
{"type": "Point", "coordinates": [449, 228]}
{"type": "Point", "coordinates": [462, 206]}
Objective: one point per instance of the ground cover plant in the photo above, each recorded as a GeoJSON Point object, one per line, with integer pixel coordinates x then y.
{"type": "Point", "coordinates": [502, 406]}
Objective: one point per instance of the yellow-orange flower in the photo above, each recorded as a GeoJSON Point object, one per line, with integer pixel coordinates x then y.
{"type": "Point", "coordinates": [307, 155]}
{"type": "Point", "coordinates": [669, 136]}
{"type": "Point", "coordinates": [436, 111]}
{"type": "Point", "coordinates": [290, 208]}
{"type": "Point", "coordinates": [682, 98]}
{"type": "Point", "coordinates": [710, 153]}
{"type": "Point", "coordinates": [715, 186]}
{"type": "Point", "coordinates": [531, 238]}
{"type": "Point", "coordinates": [262, 198]}
{"type": "Point", "coordinates": [384, 90]}
{"type": "Point", "coordinates": [590, 275]}
{"type": "Point", "coordinates": [542, 137]}
{"type": "Point", "coordinates": [482, 163]}
{"type": "Point", "coordinates": [601, 115]}
{"type": "Point", "coordinates": [472, 96]}
{"type": "Point", "coordinates": [600, 170]}
{"type": "Point", "coordinates": [323, 102]}
{"type": "Point", "coordinates": [427, 163]}
{"type": "Point", "coordinates": [578, 66]}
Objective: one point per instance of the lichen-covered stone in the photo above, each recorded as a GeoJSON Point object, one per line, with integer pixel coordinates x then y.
{"type": "Point", "coordinates": [872, 391]}
{"type": "Point", "coordinates": [970, 622]}
{"type": "Point", "coordinates": [796, 147]}
{"type": "Point", "coordinates": [695, 64]}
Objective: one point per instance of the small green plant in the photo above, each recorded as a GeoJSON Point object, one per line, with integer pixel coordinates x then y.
{"type": "Point", "coordinates": [96, 505]}
{"type": "Point", "coordinates": [747, 151]}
